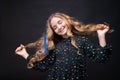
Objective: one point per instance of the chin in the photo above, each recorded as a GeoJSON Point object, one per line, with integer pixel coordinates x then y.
{"type": "Point", "coordinates": [64, 34]}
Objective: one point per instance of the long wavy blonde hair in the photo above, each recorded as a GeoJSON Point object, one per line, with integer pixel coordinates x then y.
{"type": "Point", "coordinates": [74, 26]}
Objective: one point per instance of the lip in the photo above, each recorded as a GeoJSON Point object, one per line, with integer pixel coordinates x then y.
{"type": "Point", "coordinates": [62, 29]}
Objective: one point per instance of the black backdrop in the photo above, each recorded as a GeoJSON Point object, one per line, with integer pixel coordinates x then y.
{"type": "Point", "coordinates": [23, 21]}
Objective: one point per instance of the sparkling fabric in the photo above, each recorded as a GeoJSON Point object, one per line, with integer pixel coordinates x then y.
{"type": "Point", "coordinates": [63, 63]}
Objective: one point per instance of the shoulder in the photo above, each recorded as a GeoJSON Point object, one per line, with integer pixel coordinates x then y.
{"type": "Point", "coordinates": [80, 37]}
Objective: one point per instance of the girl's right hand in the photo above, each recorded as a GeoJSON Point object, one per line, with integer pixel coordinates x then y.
{"type": "Point", "coordinates": [22, 51]}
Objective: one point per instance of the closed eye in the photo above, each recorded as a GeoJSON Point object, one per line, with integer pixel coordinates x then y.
{"type": "Point", "coordinates": [60, 22]}
{"type": "Point", "coordinates": [54, 27]}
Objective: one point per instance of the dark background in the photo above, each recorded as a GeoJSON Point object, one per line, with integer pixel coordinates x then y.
{"type": "Point", "coordinates": [23, 21]}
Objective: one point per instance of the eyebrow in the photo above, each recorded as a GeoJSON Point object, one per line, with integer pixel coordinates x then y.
{"type": "Point", "coordinates": [58, 21]}
{"type": "Point", "coordinates": [55, 24]}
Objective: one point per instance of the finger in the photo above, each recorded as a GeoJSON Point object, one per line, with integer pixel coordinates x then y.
{"type": "Point", "coordinates": [19, 49]}
{"type": "Point", "coordinates": [102, 27]}
{"type": "Point", "coordinates": [105, 27]}
{"type": "Point", "coordinates": [22, 45]}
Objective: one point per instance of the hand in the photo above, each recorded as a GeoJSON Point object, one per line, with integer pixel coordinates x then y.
{"type": "Point", "coordinates": [104, 29]}
{"type": "Point", "coordinates": [22, 51]}
{"type": "Point", "coordinates": [101, 34]}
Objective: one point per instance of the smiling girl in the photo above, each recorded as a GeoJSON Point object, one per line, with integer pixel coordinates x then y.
{"type": "Point", "coordinates": [65, 46]}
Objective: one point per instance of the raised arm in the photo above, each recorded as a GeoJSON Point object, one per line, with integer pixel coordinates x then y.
{"type": "Point", "coordinates": [41, 65]}
{"type": "Point", "coordinates": [98, 52]}
{"type": "Point", "coordinates": [101, 34]}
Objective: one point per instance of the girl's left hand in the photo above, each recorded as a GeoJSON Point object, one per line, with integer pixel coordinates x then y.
{"type": "Point", "coordinates": [104, 29]}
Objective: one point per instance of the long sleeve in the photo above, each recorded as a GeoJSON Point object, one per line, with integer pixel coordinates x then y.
{"type": "Point", "coordinates": [95, 52]}
{"type": "Point", "coordinates": [45, 63]}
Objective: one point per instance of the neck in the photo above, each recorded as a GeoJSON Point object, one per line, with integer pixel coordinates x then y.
{"type": "Point", "coordinates": [65, 36]}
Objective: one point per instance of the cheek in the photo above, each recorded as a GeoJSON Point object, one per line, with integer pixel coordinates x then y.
{"type": "Point", "coordinates": [66, 27]}
{"type": "Point", "coordinates": [64, 24]}
{"type": "Point", "coordinates": [56, 31]}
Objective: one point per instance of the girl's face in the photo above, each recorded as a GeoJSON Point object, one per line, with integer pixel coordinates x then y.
{"type": "Point", "coordinates": [59, 26]}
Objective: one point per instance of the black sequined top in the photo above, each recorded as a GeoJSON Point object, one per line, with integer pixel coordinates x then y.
{"type": "Point", "coordinates": [64, 63]}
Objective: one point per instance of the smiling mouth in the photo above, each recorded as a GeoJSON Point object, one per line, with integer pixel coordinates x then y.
{"type": "Point", "coordinates": [62, 29]}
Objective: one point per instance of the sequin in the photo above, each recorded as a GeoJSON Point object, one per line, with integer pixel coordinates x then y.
{"type": "Point", "coordinates": [64, 63]}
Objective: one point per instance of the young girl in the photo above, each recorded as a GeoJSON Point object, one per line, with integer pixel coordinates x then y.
{"type": "Point", "coordinates": [64, 47]}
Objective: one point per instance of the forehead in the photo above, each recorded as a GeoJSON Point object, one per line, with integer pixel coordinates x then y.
{"type": "Point", "coordinates": [55, 19]}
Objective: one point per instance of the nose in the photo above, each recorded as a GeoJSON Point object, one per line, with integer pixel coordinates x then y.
{"type": "Point", "coordinates": [59, 26]}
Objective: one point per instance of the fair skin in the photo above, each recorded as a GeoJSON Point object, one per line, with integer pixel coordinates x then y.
{"type": "Point", "coordinates": [101, 35]}
{"type": "Point", "coordinates": [22, 51]}
{"type": "Point", "coordinates": [59, 26]}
